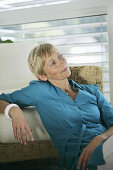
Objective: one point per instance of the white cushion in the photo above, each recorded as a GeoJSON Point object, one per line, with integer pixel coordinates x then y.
{"type": "Point", "coordinates": [38, 130]}
{"type": "Point", "coordinates": [33, 118]}
{"type": "Point", "coordinates": [8, 90]}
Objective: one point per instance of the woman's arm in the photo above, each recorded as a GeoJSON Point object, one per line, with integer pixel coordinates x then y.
{"type": "Point", "coordinates": [3, 105]}
{"type": "Point", "coordinates": [27, 96]}
{"type": "Point", "coordinates": [87, 152]}
{"type": "Point", "coordinates": [19, 122]}
{"type": "Point", "coordinates": [106, 115]}
{"type": "Point", "coordinates": [106, 135]}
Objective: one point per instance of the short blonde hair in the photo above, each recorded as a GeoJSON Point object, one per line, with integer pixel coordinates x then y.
{"type": "Point", "coordinates": [37, 57]}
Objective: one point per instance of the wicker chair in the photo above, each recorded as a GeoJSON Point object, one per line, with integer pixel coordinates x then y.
{"type": "Point", "coordinates": [45, 149]}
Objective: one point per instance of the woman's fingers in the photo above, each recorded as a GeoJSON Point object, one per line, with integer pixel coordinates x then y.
{"type": "Point", "coordinates": [29, 132]}
{"type": "Point", "coordinates": [85, 161]}
{"type": "Point", "coordinates": [81, 159]}
{"type": "Point", "coordinates": [87, 152]}
{"type": "Point", "coordinates": [23, 136]}
{"type": "Point", "coordinates": [19, 135]}
{"type": "Point", "coordinates": [20, 130]}
{"type": "Point", "coordinates": [15, 133]}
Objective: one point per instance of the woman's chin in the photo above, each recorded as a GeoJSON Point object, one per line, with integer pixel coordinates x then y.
{"type": "Point", "coordinates": [68, 73]}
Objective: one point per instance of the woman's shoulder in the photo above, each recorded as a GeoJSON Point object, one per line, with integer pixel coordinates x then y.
{"type": "Point", "coordinates": [39, 83]}
{"type": "Point", "coordinates": [91, 88]}
{"type": "Point", "coordinates": [41, 86]}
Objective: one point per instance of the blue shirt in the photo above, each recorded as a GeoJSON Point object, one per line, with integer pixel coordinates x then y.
{"type": "Point", "coordinates": [70, 124]}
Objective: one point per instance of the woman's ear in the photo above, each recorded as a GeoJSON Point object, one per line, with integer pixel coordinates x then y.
{"type": "Point", "coordinates": [42, 77]}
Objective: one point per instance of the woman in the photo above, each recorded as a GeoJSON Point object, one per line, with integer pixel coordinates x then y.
{"type": "Point", "coordinates": [77, 117]}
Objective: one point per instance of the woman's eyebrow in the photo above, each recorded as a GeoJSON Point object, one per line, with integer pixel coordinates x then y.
{"type": "Point", "coordinates": [50, 60]}
{"type": "Point", "coordinates": [58, 54]}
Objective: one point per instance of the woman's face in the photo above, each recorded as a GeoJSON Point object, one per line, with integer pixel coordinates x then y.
{"type": "Point", "coordinates": [56, 67]}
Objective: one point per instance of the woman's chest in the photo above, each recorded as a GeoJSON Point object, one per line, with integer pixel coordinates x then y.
{"type": "Point", "coordinates": [73, 94]}
{"type": "Point", "coordinates": [64, 108]}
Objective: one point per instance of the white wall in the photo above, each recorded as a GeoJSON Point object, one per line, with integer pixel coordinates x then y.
{"type": "Point", "coordinates": [14, 70]}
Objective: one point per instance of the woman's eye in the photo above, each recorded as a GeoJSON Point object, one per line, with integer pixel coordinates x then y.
{"type": "Point", "coordinates": [52, 63]}
{"type": "Point", "coordinates": [60, 56]}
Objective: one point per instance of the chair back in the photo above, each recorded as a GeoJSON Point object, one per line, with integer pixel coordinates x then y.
{"type": "Point", "coordinates": [87, 75]}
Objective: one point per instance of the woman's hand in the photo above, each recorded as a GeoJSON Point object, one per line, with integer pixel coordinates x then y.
{"type": "Point", "coordinates": [20, 125]}
{"type": "Point", "coordinates": [86, 153]}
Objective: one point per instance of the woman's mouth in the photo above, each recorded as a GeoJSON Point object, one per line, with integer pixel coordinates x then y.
{"type": "Point", "coordinates": [64, 70]}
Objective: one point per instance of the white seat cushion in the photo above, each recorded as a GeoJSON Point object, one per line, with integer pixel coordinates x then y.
{"type": "Point", "coordinates": [33, 118]}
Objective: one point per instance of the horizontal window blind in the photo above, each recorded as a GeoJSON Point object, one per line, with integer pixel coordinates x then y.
{"type": "Point", "coordinates": [6, 5]}
{"type": "Point", "coordinates": [82, 40]}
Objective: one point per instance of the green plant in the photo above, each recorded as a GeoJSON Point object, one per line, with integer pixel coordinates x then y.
{"type": "Point", "coordinates": [6, 41]}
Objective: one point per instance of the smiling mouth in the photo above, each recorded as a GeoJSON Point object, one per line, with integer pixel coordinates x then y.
{"type": "Point", "coordinates": [64, 70]}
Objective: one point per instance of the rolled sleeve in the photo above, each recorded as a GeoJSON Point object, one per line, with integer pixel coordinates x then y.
{"type": "Point", "coordinates": [24, 97]}
{"type": "Point", "coordinates": [106, 109]}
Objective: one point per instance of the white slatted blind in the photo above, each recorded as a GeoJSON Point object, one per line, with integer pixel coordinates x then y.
{"type": "Point", "coordinates": [83, 40]}
{"type": "Point", "coordinates": [6, 5]}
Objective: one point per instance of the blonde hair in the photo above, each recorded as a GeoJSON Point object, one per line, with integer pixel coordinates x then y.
{"type": "Point", "coordinates": [37, 57]}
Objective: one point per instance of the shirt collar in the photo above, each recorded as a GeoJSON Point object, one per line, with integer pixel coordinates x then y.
{"type": "Point", "coordinates": [74, 84]}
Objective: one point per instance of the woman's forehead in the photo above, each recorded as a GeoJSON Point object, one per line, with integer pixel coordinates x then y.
{"type": "Point", "coordinates": [54, 53]}
{"type": "Point", "coordinates": [52, 56]}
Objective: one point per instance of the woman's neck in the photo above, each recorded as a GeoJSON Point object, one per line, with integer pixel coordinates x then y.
{"type": "Point", "coordinates": [66, 87]}
{"type": "Point", "coordinates": [63, 84]}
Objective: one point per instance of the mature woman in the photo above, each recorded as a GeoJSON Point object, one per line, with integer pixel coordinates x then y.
{"type": "Point", "coordinates": [78, 118]}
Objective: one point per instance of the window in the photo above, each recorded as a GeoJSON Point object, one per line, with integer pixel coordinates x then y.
{"type": "Point", "coordinates": [20, 4]}
{"type": "Point", "coordinates": [82, 40]}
